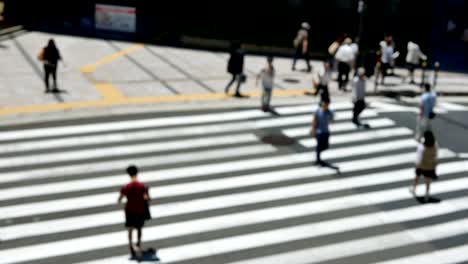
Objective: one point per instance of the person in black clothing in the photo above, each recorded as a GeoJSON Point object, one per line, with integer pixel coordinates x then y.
{"type": "Point", "coordinates": [50, 56]}
{"type": "Point", "coordinates": [236, 67]}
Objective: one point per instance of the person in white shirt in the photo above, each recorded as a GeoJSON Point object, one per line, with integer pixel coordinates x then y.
{"type": "Point", "coordinates": [426, 162]}
{"type": "Point", "coordinates": [301, 44]}
{"type": "Point", "coordinates": [345, 58]}
{"type": "Point", "coordinates": [321, 82]}
{"type": "Point", "coordinates": [413, 58]}
{"type": "Point", "coordinates": [358, 96]}
{"type": "Point", "coordinates": [267, 75]}
{"type": "Point", "coordinates": [426, 112]}
{"type": "Point", "coordinates": [387, 56]}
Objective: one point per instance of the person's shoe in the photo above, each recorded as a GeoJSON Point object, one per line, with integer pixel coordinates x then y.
{"type": "Point", "coordinates": [55, 90]}
{"type": "Point", "coordinates": [293, 68]}
{"type": "Point", "coordinates": [238, 95]}
{"type": "Point", "coordinates": [47, 91]}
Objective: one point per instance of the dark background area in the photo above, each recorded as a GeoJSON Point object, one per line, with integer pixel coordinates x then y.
{"type": "Point", "coordinates": [265, 23]}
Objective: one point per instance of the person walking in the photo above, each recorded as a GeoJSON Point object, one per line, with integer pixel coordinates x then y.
{"type": "Point", "coordinates": [345, 58]}
{"type": "Point", "coordinates": [267, 75]}
{"type": "Point", "coordinates": [321, 83]}
{"type": "Point", "coordinates": [236, 68]}
{"type": "Point", "coordinates": [136, 208]}
{"type": "Point", "coordinates": [50, 56]}
{"type": "Point", "coordinates": [301, 44]}
{"type": "Point", "coordinates": [358, 95]}
{"type": "Point", "coordinates": [387, 51]}
{"type": "Point", "coordinates": [426, 162]}
{"type": "Point", "coordinates": [413, 59]}
{"type": "Point", "coordinates": [426, 111]}
{"type": "Point", "coordinates": [320, 130]}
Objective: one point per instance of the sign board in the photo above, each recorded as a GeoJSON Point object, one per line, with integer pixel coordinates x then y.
{"type": "Point", "coordinates": [115, 18]}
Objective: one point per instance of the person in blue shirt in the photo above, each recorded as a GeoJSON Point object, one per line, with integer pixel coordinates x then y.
{"type": "Point", "coordinates": [426, 111]}
{"type": "Point", "coordinates": [320, 129]}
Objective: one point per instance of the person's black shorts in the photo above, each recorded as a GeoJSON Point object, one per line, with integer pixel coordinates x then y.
{"type": "Point", "coordinates": [426, 173]}
{"type": "Point", "coordinates": [411, 67]}
{"type": "Point", "coordinates": [322, 141]}
{"type": "Point", "coordinates": [136, 221]}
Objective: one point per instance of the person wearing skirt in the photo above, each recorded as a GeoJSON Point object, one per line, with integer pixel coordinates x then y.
{"type": "Point", "coordinates": [426, 163]}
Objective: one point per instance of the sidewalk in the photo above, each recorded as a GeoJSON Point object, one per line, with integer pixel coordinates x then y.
{"type": "Point", "coordinates": [107, 74]}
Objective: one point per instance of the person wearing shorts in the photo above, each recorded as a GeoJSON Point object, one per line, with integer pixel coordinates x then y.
{"type": "Point", "coordinates": [426, 163]}
{"type": "Point", "coordinates": [137, 195]}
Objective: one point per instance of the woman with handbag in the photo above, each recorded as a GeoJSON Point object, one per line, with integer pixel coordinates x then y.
{"type": "Point", "coordinates": [50, 56]}
{"type": "Point", "coordinates": [137, 209]}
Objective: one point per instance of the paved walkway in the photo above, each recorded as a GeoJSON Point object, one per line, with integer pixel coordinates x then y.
{"type": "Point", "coordinates": [101, 73]}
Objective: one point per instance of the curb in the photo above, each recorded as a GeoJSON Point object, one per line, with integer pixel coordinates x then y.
{"type": "Point", "coordinates": [11, 30]}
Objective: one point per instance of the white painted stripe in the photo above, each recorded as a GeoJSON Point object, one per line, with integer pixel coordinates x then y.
{"type": "Point", "coordinates": [463, 155]}
{"type": "Point", "coordinates": [126, 125]}
{"type": "Point", "coordinates": [340, 127]}
{"type": "Point", "coordinates": [452, 106]}
{"type": "Point", "coordinates": [361, 136]}
{"type": "Point", "coordinates": [373, 244]}
{"type": "Point", "coordinates": [97, 167]}
{"type": "Point", "coordinates": [441, 256]}
{"type": "Point", "coordinates": [252, 240]}
{"type": "Point", "coordinates": [383, 107]}
{"type": "Point", "coordinates": [216, 202]}
{"type": "Point", "coordinates": [90, 140]}
{"type": "Point", "coordinates": [311, 108]}
{"type": "Point", "coordinates": [203, 186]}
{"type": "Point", "coordinates": [110, 218]}
{"type": "Point", "coordinates": [120, 151]}
{"type": "Point", "coordinates": [445, 256]}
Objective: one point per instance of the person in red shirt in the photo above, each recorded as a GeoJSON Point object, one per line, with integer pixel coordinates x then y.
{"type": "Point", "coordinates": [135, 209]}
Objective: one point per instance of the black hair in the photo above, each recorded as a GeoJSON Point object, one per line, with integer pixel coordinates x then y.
{"type": "Point", "coordinates": [132, 170]}
{"type": "Point", "coordinates": [270, 58]}
{"type": "Point", "coordinates": [427, 87]}
{"type": "Point", "coordinates": [429, 139]}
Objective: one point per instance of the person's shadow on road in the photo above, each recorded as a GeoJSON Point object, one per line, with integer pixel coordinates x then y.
{"type": "Point", "coordinates": [148, 255]}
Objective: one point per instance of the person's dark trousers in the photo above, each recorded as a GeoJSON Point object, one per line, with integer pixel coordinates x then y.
{"type": "Point", "coordinates": [359, 106]}
{"type": "Point", "coordinates": [384, 71]}
{"type": "Point", "coordinates": [298, 55]}
{"type": "Point", "coordinates": [322, 144]}
{"type": "Point", "coordinates": [323, 91]}
{"type": "Point", "coordinates": [343, 74]}
{"type": "Point", "coordinates": [48, 71]}
{"type": "Point", "coordinates": [234, 78]}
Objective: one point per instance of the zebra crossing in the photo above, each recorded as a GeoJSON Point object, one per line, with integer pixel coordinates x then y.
{"type": "Point", "coordinates": [221, 194]}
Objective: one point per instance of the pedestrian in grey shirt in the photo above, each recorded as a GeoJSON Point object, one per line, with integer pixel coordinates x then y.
{"type": "Point", "coordinates": [359, 94]}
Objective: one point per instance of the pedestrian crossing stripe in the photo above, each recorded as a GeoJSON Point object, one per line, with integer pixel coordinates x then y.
{"type": "Point", "coordinates": [150, 123]}
{"type": "Point", "coordinates": [285, 198]}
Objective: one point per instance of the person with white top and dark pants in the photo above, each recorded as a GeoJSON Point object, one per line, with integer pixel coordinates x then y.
{"type": "Point", "coordinates": [413, 58]}
{"type": "Point", "coordinates": [267, 75]}
{"type": "Point", "coordinates": [426, 112]}
{"type": "Point", "coordinates": [345, 58]}
{"type": "Point", "coordinates": [426, 162]}
{"type": "Point", "coordinates": [387, 56]}
{"type": "Point", "coordinates": [358, 95]}
{"type": "Point", "coordinates": [321, 83]}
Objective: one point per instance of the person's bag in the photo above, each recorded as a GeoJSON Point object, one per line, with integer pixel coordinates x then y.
{"type": "Point", "coordinates": [243, 78]}
{"type": "Point", "coordinates": [147, 210]}
{"type": "Point", "coordinates": [40, 56]}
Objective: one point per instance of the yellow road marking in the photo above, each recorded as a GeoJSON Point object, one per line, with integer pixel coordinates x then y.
{"type": "Point", "coordinates": [92, 67]}
{"type": "Point", "coordinates": [108, 91]}
{"type": "Point", "coordinates": [118, 99]}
